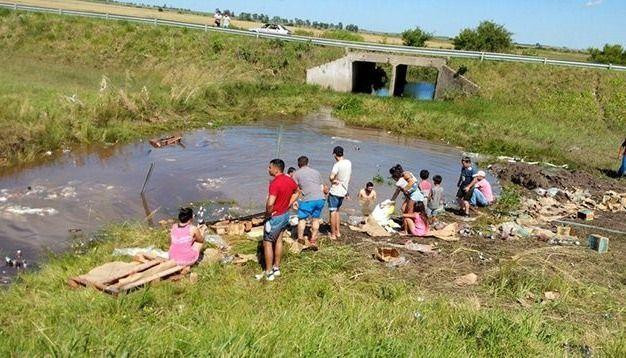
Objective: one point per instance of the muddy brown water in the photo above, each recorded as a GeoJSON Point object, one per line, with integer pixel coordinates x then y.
{"type": "Point", "coordinates": [225, 169]}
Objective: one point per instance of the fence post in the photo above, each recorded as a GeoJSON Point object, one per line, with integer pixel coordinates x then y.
{"type": "Point", "coordinates": [106, 16]}
{"type": "Point", "coordinates": [545, 60]}
{"type": "Point", "coordinates": [15, 6]}
{"type": "Point", "coordinates": [156, 21]}
{"type": "Point", "coordinates": [60, 11]}
{"type": "Point", "coordinates": [206, 27]}
{"type": "Point", "coordinates": [482, 56]}
{"type": "Point", "coordinates": [610, 66]}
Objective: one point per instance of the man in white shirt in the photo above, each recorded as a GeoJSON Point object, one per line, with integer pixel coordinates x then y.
{"type": "Point", "coordinates": [217, 17]}
{"type": "Point", "coordinates": [339, 179]}
{"type": "Point", "coordinates": [226, 21]}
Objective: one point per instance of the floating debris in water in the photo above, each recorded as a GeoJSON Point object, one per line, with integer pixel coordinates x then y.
{"type": "Point", "coordinates": [346, 139]}
{"type": "Point", "coordinates": [24, 210]}
{"type": "Point", "coordinates": [211, 183]}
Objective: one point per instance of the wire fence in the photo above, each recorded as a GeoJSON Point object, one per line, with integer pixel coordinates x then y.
{"type": "Point", "coordinates": [365, 46]}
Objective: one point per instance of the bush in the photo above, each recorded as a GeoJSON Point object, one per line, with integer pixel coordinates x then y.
{"type": "Point", "coordinates": [613, 54]}
{"type": "Point", "coordinates": [342, 35]}
{"type": "Point", "coordinates": [415, 37]}
{"type": "Point", "coordinates": [300, 32]}
{"type": "Point", "coordinates": [488, 36]}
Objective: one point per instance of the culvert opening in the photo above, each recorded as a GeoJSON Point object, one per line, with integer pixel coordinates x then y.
{"type": "Point", "coordinates": [371, 78]}
{"type": "Point", "coordinates": [416, 82]}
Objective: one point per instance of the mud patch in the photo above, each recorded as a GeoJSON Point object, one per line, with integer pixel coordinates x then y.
{"type": "Point", "coordinates": [532, 176]}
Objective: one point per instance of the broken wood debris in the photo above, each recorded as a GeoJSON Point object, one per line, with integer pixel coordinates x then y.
{"type": "Point", "coordinates": [165, 141]}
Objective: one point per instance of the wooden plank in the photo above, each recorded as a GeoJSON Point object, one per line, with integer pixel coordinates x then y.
{"type": "Point", "coordinates": [147, 273]}
{"type": "Point", "coordinates": [139, 268]}
{"type": "Point", "coordinates": [151, 278]}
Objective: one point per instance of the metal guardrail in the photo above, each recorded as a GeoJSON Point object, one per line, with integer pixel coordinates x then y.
{"type": "Point", "coordinates": [324, 42]}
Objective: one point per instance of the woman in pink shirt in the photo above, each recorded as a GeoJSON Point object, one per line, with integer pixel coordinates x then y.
{"type": "Point", "coordinates": [186, 240]}
{"type": "Point", "coordinates": [416, 223]}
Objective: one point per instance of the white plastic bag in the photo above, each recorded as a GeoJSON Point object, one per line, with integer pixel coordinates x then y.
{"type": "Point", "coordinates": [383, 211]}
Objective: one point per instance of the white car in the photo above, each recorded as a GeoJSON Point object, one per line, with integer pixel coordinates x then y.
{"type": "Point", "coordinates": [272, 29]}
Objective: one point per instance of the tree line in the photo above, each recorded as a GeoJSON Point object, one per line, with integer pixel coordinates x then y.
{"type": "Point", "coordinates": [491, 37]}
{"type": "Point", "coordinates": [245, 16]}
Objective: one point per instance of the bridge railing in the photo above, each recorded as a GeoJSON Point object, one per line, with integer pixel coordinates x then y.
{"type": "Point", "coordinates": [366, 46]}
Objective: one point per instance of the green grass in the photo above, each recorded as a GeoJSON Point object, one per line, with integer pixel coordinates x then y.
{"type": "Point", "coordinates": [160, 79]}
{"type": "Point", "coordinates": [342, 35]}
{"type": "Point", "coordinates": [335, 302]}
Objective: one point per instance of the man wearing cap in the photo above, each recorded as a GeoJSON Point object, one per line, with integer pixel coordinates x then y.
{"type": "Point", "coordinates": [482, 195]}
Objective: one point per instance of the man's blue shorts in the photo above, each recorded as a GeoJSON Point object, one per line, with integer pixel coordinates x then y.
{"type": "Point", "coordinates": [334, 202]}
{"type": "Point", "coordinates": [310, 208]}
{"type": "Point", "coordinates": [274, 226]}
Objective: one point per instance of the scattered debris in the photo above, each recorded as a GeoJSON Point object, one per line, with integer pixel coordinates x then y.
{"type": "Point", "coordinates": [598, 243]}
{"type": "Point", "coordinates": [135, 251]}
{"type": "Point", "coordinates": [211, 256]}
{"type": "Point", "coordinates": [18, 261]}
{"type": "Point", "coordinates": [564, 241]}
{"type": "Point", "coordinates": [390, 256]}
{"type": "Point", "coordinates": [585, 214]}
{"type": "Point", "coordinates": [217, 241]}
{"type": "Point", "coordinates": [612, 202]}
{"type": "Point", "coordinates": [422, 248]}
{"type": "Point", "coordinates": [24, 210]}
{"type": "Point", "coordinates": [466, 280]}
{"type": "Point", "coordinates": [211, 183]}
{"type": "Point", "coordinates": [165, 141]}
{"type": "Point", "coordinates": [551, 295]}
{"type": "Point", "coordinates": [448, 233]}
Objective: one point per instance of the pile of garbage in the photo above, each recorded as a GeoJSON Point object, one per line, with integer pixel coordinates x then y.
{"type": "Point", "coordinates": [553, 204]}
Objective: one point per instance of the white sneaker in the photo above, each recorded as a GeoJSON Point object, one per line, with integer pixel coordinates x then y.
{"type": "Point", "coordinates": [276, 272]}
{"type": "Point", "coordinates": [264, 275]}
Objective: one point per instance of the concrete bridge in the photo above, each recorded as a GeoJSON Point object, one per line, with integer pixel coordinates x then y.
{"type": "Point", "coordinates": [357, 72]}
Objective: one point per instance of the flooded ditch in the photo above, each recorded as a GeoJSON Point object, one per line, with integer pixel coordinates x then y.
{"type": "Point", "coordinates": [223, 170]}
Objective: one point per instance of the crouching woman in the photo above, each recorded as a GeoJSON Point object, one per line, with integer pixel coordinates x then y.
{"type": "Point", "coordinates": [186, 240]}
{"type": "Point", "coordinates": [416, 222]}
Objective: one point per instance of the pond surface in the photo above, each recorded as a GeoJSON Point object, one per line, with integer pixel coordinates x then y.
{"type": "Point", "coordinates": [226, 169]}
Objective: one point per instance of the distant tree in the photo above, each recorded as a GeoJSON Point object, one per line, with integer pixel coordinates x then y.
{"type": "Point", "coordinates": [352, 28]}
{"type": "Point", "coordinates": [613, 54]}
{"type": "Point", "coordinates": [340, 26]}
{"type": "Point", "coordinates": [416, 37]}
{"type": "Point", "coordinates": [488, 36]}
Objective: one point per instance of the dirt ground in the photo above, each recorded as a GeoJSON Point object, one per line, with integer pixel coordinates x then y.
{"type": "Point", "coordinates": [531, 176]}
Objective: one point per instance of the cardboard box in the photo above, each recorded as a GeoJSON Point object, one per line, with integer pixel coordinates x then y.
{"type": "Point", "coordinates": [599, 243]}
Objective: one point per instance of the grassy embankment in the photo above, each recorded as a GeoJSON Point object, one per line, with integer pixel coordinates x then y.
{"type": "Point", "coordinates": [337, 301]}
{"type": "Point", "coordinates": [69, 81]}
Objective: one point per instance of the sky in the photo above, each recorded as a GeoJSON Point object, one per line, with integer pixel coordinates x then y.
{"type": "Point", "coordinates": [571, 23]}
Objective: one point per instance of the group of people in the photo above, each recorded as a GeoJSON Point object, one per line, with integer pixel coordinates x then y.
{"type": "Point", "coordinates": [221, 20]}
{"type": "Point", "coordinates": [305, 191]}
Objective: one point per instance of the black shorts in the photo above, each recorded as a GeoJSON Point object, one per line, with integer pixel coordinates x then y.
{"type": "Point", "coordinates": [462, 194]}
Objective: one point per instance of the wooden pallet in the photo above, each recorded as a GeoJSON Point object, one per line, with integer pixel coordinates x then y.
{"type": "Point", "coordinates": [163, 142]}
{"type": "Point", "coordinates": [115, 277]}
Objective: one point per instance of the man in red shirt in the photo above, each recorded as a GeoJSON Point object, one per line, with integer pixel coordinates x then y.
{"type": "Point", "coordinates": [283, 192]}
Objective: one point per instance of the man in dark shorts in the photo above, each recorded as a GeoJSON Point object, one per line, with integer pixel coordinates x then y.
{"type": "Point", "coordinates": [465, 183]}
{"type": "Point", "coordinates": [339, 179]}
{"type": "Point", "coordinates": [283, 192]}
